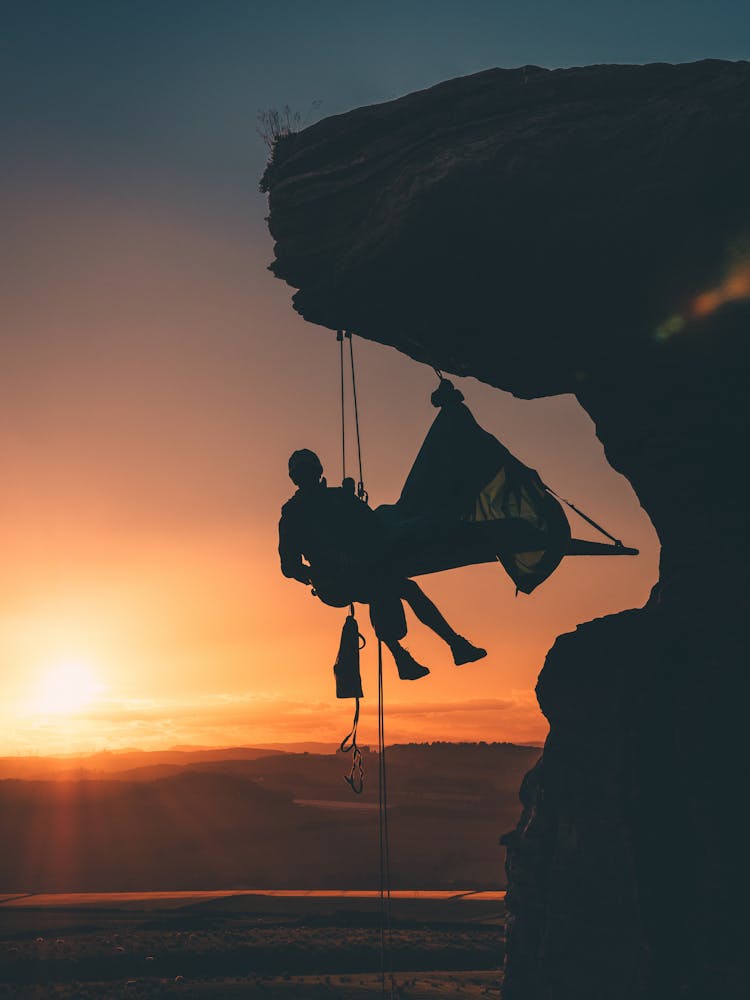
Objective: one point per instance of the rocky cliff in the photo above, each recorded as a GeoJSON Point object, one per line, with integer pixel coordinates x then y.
{"type": "Point", "coordinates": [585, 231]}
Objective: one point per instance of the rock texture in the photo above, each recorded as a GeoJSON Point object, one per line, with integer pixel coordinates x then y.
{"type": "Point", "coordinates": [585, 231]}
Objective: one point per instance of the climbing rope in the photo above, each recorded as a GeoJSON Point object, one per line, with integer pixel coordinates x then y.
{"type": "Point", "coordinates": [355, 778]}
{"type": "Point", "coordinates": [361, 491]}
{"type": "Point", "coordinates": [340, 339]}
{"type": "Point", "coordinates": [342, 335]}
{"type": "Point", "coordinates": [387, 982]}
{"type": "Point", "coordinates": [589, 520]}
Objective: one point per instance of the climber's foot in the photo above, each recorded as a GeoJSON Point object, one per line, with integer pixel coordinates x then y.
{"type": "Point", "coordinates": [464, 652]}
{"type": "Point", "coordinates": [408, 668]}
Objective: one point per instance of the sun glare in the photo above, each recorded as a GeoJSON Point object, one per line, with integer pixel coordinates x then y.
{"type": "Point", "coordinates": [66, 687]}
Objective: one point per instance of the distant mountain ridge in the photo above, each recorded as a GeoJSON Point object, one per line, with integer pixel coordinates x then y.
{"type": "Point", "coordinates": [31, 768]}
{"type": "Point", "coordinates": [260, 819]}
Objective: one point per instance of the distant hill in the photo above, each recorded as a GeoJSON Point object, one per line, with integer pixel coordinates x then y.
{"type": "Point", "coordinates": [309, 746]}
{"type": "Point", "coordinates": [258, 819]}
{"type": "Point", "coordinates": [109, 762]}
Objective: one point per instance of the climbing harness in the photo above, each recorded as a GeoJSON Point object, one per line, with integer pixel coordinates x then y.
{"type": "Point", "coordinates": [340, 338]}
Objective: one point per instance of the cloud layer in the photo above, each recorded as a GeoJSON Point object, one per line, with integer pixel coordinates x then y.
{"type": "Point", "coordinates": [252, 718]}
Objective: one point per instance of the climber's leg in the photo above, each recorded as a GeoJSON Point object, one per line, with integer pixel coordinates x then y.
{"type": "Point", "coordinates": [387, 617]}
{"type": "Point", "coordinates": [426, 611]}
{"type": "Point", "coordinates": [389, 622]}
{"type": "Point", "coordinates": [463, 651]}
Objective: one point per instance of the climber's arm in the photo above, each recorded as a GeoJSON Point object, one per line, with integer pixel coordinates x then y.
{"type": "Point", "coordinates": [289, 551]}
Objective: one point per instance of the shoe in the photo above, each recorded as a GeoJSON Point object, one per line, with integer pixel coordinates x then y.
{"type": "Point", "coordinates": [408, 668]}
{"type": "Point", "coordinates": [464, 652]}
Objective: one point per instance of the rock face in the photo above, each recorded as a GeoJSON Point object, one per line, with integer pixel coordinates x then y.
{"type": "Point", "coordinates": [584, 231]}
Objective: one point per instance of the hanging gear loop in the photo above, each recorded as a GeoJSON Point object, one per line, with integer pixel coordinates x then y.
{"type": "Point", "coordinates": [349, 685]}
{"type": "Point", "coordinates": [355, 779]}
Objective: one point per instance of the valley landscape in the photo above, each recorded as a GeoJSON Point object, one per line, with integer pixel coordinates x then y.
{"type": "Point", "coordinates": [250, 871]}
{"type": "Point", "coordinates": [254, 819]}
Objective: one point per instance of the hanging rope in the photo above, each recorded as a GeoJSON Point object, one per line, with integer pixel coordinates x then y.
{"type": "Point", "coordinates": [361, 491]}
{"type": "Point", "coordinates": [589, 520]}
{"type": "Point", "coordinates": [355, 778]}
{"type": "Point", "coordinates": [387, 982]}
{"type": "Point", "coordinates": [341, 335]}
{"type": "Point", "coordinates": [340, 338]}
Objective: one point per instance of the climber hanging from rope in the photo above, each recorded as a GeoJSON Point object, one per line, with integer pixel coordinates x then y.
{"type": "Point", "coordinates": [352, 557]}
{"type": "Point", "coordinates": [467, 500]}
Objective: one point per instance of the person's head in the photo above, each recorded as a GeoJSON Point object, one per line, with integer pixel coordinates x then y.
{"type": "Point", "coordinates": [304, 467]}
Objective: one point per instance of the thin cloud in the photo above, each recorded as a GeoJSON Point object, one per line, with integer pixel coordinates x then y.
{"type": "Point", "coordinates": [248, 718]}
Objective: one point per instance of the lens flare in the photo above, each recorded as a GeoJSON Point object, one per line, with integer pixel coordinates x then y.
{"type": "Point", "coordinates": [734, 288]}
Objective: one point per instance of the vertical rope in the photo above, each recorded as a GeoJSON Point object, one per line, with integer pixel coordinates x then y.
{"type": "Point", "coordinates": [361, 492]}
{"type": "Point", "coordinates": [340, 338]}
{"type": "Point", "coordinates": [589, 520]}
{"type": "Point", "coordinates": [381, 855]}
{"type": "Point", "coordinates": [386, 957]}
{"type": "Point", "coordinates": [387, 981]}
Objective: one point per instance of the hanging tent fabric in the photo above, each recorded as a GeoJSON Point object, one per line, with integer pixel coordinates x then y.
{"type": "Point", "coordinates": [468, 500]}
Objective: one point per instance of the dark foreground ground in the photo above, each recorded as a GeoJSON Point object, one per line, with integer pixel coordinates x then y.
{"type": "Point", "coordinates": [249, 946]}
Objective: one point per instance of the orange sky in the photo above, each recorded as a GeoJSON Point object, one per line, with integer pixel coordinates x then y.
{"type": "Point", "coordinates": [157, 383]}
{"type": "Point", "coordinates": [155, 377]}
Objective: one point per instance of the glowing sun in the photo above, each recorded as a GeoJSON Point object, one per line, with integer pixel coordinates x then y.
{"type": "Point", "coordinates": [66, 687]}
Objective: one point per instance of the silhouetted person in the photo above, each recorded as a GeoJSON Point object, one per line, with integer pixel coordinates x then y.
{"type": "Point", "coordinates": [348, 555]}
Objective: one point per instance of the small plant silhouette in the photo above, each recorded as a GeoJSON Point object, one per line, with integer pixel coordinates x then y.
{"type": "Point", "coordinates": [275, 123]}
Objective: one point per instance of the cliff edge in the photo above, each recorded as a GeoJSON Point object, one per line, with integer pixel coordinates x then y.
{"type": "Point", "coordinates": [584, 230]}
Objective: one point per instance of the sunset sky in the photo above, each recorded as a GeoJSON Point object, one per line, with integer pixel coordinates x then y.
{"type": "Point", "coordinates": [155, 377]}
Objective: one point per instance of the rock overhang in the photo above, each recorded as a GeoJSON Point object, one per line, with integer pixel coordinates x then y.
{"type": "Point", "coordinates": [531, 227]}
